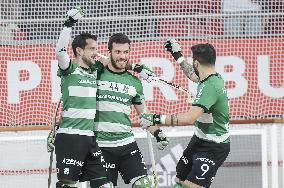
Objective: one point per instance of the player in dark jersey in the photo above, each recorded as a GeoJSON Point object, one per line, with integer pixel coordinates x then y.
{"type": "Point", "coordinates": [210, 144]}
{"type": "Point", "coordinates": [118, 91]}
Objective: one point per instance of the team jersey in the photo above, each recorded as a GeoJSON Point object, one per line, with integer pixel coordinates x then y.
{"type": "Point", "coordinates": [79, 88]}
{"type": "Point", "coordinates": [213, 124]}
{"type": "Point", "coordinates": [116, 93]}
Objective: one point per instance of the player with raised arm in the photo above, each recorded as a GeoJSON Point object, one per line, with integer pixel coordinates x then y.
{"type": "Point", "coordinates": [78, 156]}
{"type": "Point", "coordinates": [118, 90]}
{"type": "Point", "coordinates": [210, 144]}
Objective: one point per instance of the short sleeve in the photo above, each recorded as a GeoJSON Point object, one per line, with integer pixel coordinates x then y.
{"type": "Point", "coordinates": [139, 96]}
{"type": "Point", "coordinates": [206, 97]}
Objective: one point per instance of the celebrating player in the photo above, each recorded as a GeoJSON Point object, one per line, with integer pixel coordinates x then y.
{"type": "Point", "coordinates": [117, 91]}
{"type": "Point", "coordinates": [210, 144]}
{"type": "Point", "coordinates": [78, 155]}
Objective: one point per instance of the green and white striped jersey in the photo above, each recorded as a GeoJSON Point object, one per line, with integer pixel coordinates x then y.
{"type": "Point", "coordinates": [213, 125]}
{"type": "Point", "coordinates": [79, 88]}
{"type": "Point", "coordinates": [116, 93]}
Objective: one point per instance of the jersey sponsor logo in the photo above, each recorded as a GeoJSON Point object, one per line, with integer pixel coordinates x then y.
{"type": "Point", "coordinates": [92, 82]}
{"type": "Point", "coordinates": [206, 160]}
{"type": "Point", "coordinates": [200, 91]}
{"type": "Point", "coordinates": [72, 162]}
{"type": "Point", "coordinates": [97, 153]}
{"type": "Point", "coordinates": [112, 97]}
{"type": "Point", "coordinates": [109, 165]}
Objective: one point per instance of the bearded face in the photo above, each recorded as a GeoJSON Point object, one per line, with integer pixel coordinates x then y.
{"type": "Point", "coordinates": [119, 56]}
{"type": "Point", "coordinates": [89, 53]}
{"type": "Point", "coordinates": [195, 68]}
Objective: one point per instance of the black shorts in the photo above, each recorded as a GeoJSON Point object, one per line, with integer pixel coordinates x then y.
{"type": "Point", "coordinates": [201, 160]}
{"type": "Point", "coordinates": [127, 160]}
{"type": "Point", "coordinates": [79, 158]}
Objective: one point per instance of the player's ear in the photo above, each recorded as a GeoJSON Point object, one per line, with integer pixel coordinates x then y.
{"type": "Point", "coordinates": [79, 51]}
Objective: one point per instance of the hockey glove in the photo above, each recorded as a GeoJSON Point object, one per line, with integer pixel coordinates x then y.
{"type": "Point", "coordinates": [145, 72]}
{"type": "Point", "coordinates": [162, 140]}
{"type": "Point", "coordinates": [147, 120]}
{"type": "Point", "coordinates": [73, 16]}
{"type": "Point", "coordinates": [172, 46]}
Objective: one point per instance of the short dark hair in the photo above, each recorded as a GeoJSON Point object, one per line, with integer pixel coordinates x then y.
{"type": "Point", "coordinates": [80, 41]}
{"type": "Point", "coordinates": [119, 38]}
{"type": "Point", "coordinates": [204, 53]}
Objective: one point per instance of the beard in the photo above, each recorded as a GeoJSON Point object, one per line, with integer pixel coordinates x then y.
{"type": "Point", "coordinates": [117, 66]}
{"type": "Point", "coordinates": [88, 61]}
{"type": "Point", "coordinates": [196, 71]}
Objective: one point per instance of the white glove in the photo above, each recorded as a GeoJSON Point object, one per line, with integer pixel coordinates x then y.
{"type": "Point", "coordinates": [50, 141]}
{"type": "Point", "coordinates": [73, 16]}
{"type": "Point", "coordinates": [162, 140]}
{"type": "Point", "coordinates": [144, 71]}
{"type": "Point", "coordinates": [147, 74]}
{"type": "Point", "coordinates": [146, 120]}
{"type": "Point", "coordinates": [172, 46]}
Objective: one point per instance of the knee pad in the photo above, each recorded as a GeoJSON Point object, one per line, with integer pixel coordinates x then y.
{"type": "Point", "coordinates": [143, 182]}
{"type": "Point", "coordinates": [107, 185]}
{"type": "Point", "coordinates": [101, 183]}
{"type": "Point", "coordinates": [66, 184]}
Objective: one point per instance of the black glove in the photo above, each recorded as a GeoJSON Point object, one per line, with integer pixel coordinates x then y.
{"type": "Point", "coordinates": [172, 46]}
{"type": "Point", "coordinates": [162, 140]}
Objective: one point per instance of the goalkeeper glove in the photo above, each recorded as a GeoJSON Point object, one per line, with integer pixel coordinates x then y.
{"type": "Point", "coordinates": [50, 141]}
{"type": "Point", "coordinates": [73, 16]}
{"type": "Point", "coordinates": [147, 120]}
{"type": "Point", "coordinates": [172, 46]}
{"type": "Point", "coordinates": [162, 140]}
{"type": "Point", "coordinates": [145, 72]}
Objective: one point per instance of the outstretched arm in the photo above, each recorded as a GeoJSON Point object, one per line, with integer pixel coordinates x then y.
{"type": "Point", "coordinates": [172, 46]}
{"type": "Point", "coordinates": [187, 118]}
{"type": "Point", "coordinates": [62, 56]}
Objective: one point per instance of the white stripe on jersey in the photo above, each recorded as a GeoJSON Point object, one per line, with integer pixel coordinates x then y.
{"type": "Point", "coordinates": [80, 91]}
{"type": "Point", "coordinates": [116, 143]}
{"type": "Point", "coordinates": [79, 113]}
{"type": "Point", "coordinates": [113, 107]}
{"type": "Point", "coordinates": [80, 71]}
{"type": "Point", "coordinates": [111, 127]}
{"type": "Point", "coordinates": [206, 118]}
{"type": "Point", "coordinates": [117, 87]}
{"type": "Point", "coordinates": [211, 137]}
{"type": "Point", "coordinates": [75, 131]}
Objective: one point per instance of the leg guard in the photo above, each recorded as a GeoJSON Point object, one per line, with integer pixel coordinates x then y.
{"type": "Point", "coordinates": [107, 185]}
{"type": "Point", "coordinates": [60, 184]}
{"type": "Point", "coordinates": [143, 182]}
{"type": "Point", "coordinates": [101, 183]}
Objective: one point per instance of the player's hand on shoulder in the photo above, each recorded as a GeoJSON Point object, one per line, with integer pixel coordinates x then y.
{"type": "Point", "coordinates": [145, 72]}
{"type": "Point", "coordinates": [162, 140]}
{"type": "Point", "coordinates": [73, 16]}
{"type": "Point", "coordinates": [172, 46]}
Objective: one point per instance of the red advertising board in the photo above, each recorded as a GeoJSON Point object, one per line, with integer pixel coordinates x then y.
{"type": "Point", "coordinates": [35, 105]}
